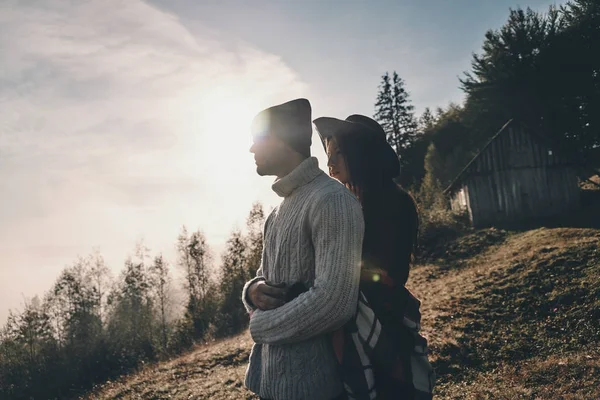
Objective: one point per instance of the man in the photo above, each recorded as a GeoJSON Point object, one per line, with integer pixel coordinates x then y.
{"type": "Point", "coordinates": [314, 237]}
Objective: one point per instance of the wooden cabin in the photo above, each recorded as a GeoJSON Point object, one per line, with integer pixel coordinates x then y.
{"type": "Point", "coordinates": [517, 176]}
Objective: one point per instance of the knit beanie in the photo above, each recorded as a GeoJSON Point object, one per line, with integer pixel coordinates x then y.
{"type": "Point", "coordinates": [290, 122]}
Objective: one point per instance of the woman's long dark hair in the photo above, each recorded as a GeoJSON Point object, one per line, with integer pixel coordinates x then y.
{"type": "Point", "coordinates": [370, 178]}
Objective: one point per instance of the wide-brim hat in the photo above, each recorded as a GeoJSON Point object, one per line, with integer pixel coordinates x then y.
{"type": "Point", "coordinates": [328, 127]}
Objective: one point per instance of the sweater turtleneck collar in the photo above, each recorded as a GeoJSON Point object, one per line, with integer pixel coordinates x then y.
{"type": "Point", "coordinates": [304, 173]}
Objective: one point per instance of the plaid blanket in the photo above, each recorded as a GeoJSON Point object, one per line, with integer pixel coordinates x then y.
{"type": "Point", "coordinates": [366, 350]}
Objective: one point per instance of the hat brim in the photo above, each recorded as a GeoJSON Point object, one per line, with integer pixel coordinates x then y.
{"type": "Point", "coordinates": [328, 127]}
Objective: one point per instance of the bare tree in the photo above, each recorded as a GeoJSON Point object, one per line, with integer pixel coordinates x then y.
{"type": "Point", "coordinates": [161, 281]}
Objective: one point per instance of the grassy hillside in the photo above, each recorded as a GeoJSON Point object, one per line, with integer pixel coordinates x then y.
{"type": "Point", "coordinates": [521, 319]}
{"type": "Point", "coordinates": [508, 316]}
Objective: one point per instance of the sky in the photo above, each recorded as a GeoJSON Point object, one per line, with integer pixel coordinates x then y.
{"type": "Point", "coordinates": [121, 121]}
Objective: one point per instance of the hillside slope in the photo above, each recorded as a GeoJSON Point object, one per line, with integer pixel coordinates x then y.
{"type": "Point", "coordinates": [508, 316]}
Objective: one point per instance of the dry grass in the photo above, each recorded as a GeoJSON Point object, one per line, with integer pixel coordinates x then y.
{"type": "Point", "coordinates": [212, 371]}
{"type": "Point", "coordinates": [508, 316]}
{"type": "Point", "coordinates": [592, 186]}
{"type": "Point", "coordinates": [500, 323]}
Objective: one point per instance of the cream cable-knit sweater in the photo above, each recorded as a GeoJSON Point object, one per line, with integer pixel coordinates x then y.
{"type": "Point", "coordinates": [314, 236]}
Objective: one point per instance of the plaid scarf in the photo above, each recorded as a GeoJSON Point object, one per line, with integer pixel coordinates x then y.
{"type": "Point", "coordinates": [366, 350]}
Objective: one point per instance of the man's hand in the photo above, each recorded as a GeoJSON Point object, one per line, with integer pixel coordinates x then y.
{"type": "Point", "coordinates": [267, 296]}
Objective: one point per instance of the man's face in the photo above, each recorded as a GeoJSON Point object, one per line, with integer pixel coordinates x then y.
{"type": "Point", "coordinates": [269, 154]}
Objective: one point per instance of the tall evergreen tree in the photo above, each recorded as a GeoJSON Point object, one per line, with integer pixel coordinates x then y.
{"type": "Point", "coordinates": [427, 120]}
{"type": "Point", "coordinates": [541, 69]}
{"type": "Point", "coordinates": [395, 113]}
{"type": "Point", "coordinates": [384, 108]}
{"type": "Point", "coordinates": [577, 59]}
{"type": "Point", "coordinates": [507, 78]}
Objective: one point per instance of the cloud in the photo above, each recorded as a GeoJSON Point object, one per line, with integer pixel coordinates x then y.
{"type": "Point", "coordinates": [110, 111]}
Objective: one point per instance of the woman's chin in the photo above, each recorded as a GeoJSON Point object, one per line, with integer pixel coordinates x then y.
{"type": "Point", "coordinates": [337, 177]}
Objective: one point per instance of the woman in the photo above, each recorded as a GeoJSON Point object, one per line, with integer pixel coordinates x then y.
{"type": "Point", "coordinates": [360, 158]}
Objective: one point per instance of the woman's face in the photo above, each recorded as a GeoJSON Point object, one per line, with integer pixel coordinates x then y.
{"type": "Point", "coordinates": [336, 162]}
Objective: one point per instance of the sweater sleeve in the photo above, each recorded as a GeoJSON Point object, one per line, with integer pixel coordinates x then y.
{"type": "Point", "coordinates": [337, 232]}
{"type": "Point", "coordinates": [250, 308]}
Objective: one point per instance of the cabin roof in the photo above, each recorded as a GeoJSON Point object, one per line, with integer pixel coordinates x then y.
{"type": "Point", "coordinates": [464, 173]}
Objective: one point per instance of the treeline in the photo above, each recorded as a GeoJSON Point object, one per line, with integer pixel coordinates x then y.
{"type": "Point", "coordinates": [90, 326]}
{"type": "Point", "coordinates": [542, 69]}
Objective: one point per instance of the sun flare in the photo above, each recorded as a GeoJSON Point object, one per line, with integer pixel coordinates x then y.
{"type": "Point", "coordinates": [224, 134]}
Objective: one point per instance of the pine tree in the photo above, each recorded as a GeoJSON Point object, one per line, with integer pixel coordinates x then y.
{"type": "Point", "coordinates": [384, 108]}
{"type": "Point", "coordinates": [405, 123]}
{"type": "Point", "coordinates": [427, 120]}
{"type": "Point", "coordinates": [395, 113]}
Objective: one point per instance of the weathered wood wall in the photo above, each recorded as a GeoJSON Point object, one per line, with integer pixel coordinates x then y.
{"type": "Point", "coordinates": [517, 177]}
